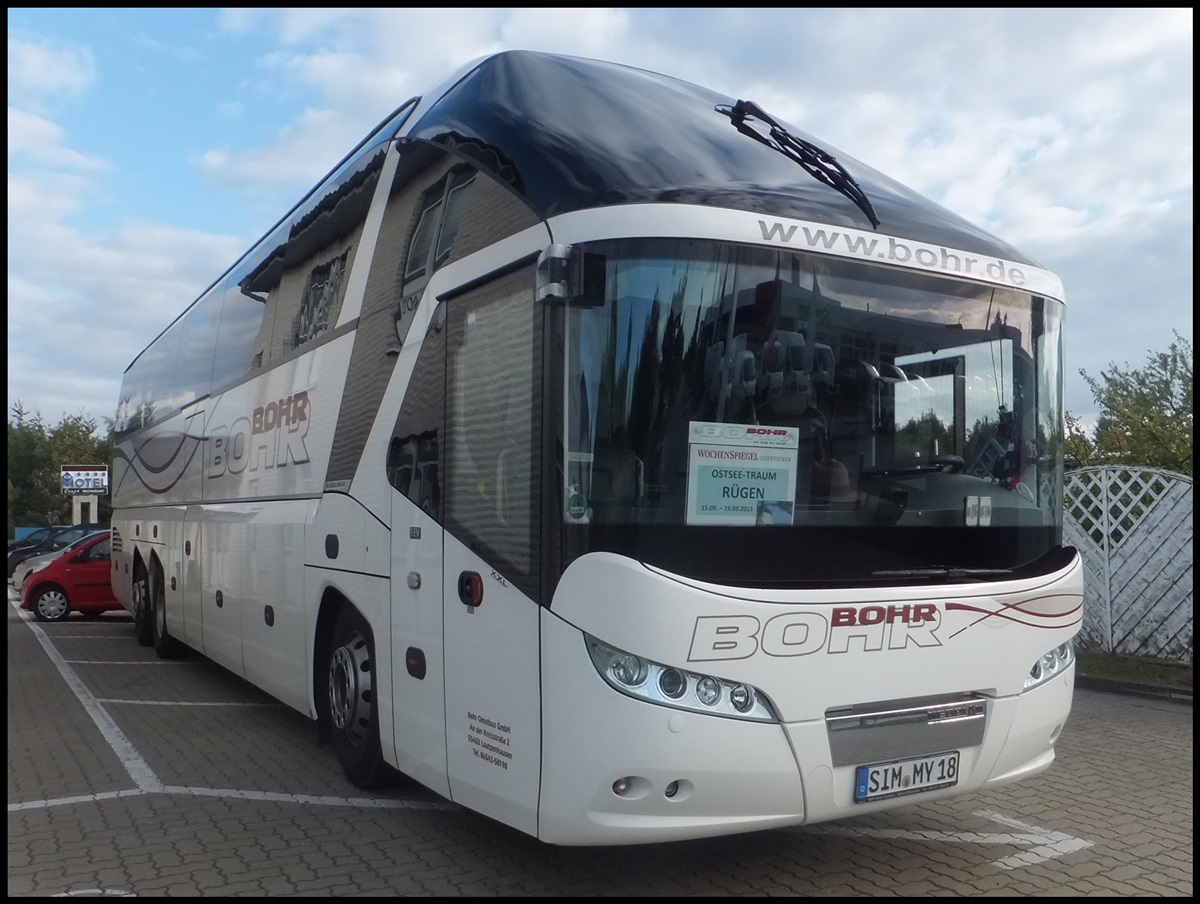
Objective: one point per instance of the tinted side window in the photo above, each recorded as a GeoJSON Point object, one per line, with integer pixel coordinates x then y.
{"type": "Point", "coordinates": [146, 387]}
{"type": "Point", "coordinates": [414, 459]}
{"type": "Point", "coordinates": [437, 223]}
{"type": "Point", "coordinates": [241, 320]}
{"type": "Point", "coordinates": [197, 343]}
{"type": "Point", "coordinates": [493, 424]}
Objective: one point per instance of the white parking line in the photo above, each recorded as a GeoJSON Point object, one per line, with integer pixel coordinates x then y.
{"type": "Point", "coordinates": [180, 703]}
{"type": "Point", "coordinates": [125, 661]}
{"type": "Point", "coordinates": [139, 770]}
{"type": "Point", "coordinates": [1041, 844]}
{"type": "Point", "coordinates": [91, 637]}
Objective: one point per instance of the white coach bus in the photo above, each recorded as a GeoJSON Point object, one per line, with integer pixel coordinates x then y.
{"type": "Point", "coordinates": [619, 462]}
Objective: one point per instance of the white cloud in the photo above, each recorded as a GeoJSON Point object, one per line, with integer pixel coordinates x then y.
{"type": "Point", "coordinates": [1066, 132]}
{"type": "Point", "coordinates": [279, 171]}
{"type": "Point", "coordinates": [90, 303]}
{"type": "Point", "coordinates": [38, 70]}
{"type": "Point", "coordinates": [40, 140]}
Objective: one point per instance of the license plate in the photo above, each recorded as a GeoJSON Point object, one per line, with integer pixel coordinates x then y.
{"type": "Point", "coordinates": [926, 773]}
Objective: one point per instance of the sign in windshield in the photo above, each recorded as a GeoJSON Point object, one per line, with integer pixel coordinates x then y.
{"type": "Point", "coordinates": [741, 474]}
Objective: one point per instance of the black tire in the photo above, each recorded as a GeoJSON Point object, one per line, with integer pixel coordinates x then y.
{"type": "Point", "coordinates": [166, 646]}
{"type": "Point", "coordinates": [143, 618]}
{"type": "Point", "coordinates": [50, 604]}
{"type": "Point", "coordinates": [348, 701]}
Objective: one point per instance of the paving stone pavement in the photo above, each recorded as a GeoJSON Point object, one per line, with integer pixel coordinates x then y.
{"type": "Point", "coordinates": [129, 776]}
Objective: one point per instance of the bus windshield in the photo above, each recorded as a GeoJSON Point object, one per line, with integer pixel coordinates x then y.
{"type": "Point", "coordinates": [731, 413]}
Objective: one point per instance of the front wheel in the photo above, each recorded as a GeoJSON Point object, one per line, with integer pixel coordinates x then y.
{"type": "Point", "coordinates": [51, 604]}
{"type": "Point", "coordinates": [350, 702]}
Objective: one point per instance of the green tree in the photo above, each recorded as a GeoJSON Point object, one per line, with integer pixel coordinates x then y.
{"type": "Point", "coordinates": [33, 491]}
{"type": "Point", "coordinates": [36, 454]}
{"type": "Point", "coordinates": [1078, 448]}
{"type": "Point", "coordinates": [1145, 413]}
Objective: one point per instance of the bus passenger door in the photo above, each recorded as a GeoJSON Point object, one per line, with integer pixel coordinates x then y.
{"type": "Point", "coordinates": [492, 647]}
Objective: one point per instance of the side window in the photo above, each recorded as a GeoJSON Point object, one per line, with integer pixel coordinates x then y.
{"type": "Point", "coordinates": [299, 272]}
{"type": "Point", "coordinates": [320, 301]}
{"type": "Point", "coordinates": [241, 321]}
{"type": "Point", "coordinates": [438, 210]}
{"type": "Point", "coordinates": [197, 344]}
{"type": "Point", "coordinates": [437, 225]}
{"type": "Point", "coordinates": [493, 425]}
{"type": "Point", "coordinates": [422, 240]}
{"type": "Point", "coordinates": [414, 459]}
{"type": "Point", "coordinates": [146, 388]}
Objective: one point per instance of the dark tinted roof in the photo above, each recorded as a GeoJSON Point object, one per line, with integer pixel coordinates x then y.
{"type": "Point", "coordinates": [568, 134]}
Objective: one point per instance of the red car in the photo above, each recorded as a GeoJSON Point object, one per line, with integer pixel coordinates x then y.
{"type": "Point", "coordinates": [79, 580]}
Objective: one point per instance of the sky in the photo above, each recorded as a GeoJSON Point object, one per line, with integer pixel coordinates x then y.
{"type": "Point", "coordinates": [149, 148]}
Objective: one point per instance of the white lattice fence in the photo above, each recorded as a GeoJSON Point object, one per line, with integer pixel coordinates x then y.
{"type": "Point", "coordinates": [1133, 527]}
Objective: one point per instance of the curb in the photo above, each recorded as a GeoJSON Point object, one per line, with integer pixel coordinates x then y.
{"type": "Point", "coordinates": [1113, 686]}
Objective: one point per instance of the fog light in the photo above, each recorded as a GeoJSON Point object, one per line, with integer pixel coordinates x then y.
{"type": "Point", "coordinates": [672, 789]}
{"type": "Point", "coordinates": [620, 786]}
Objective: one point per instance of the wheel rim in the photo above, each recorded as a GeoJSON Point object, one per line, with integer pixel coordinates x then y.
{"type": "Point", "coordinates": [52, 604]}
{"type": "Point", "coordinates": [350, 688]}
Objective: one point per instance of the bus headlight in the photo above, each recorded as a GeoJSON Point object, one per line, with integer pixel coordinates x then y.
{"type": "Point", "coordinates": [627, 669]}
{"type": "Point", "coordinates": [672, 683]}
{"type": "Point", "coordinates": [742, 698]}
{"type": "Point", "coordinates": [1050, 664]}
{"type": "Point", "coordinates": [708, 691]}
{"type": "Point", "coordinates": [666, 685]}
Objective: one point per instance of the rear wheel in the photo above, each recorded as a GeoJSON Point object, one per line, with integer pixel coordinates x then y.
{"type": "Point", "coordinates": [166, 646]}
{"type": "Point", "coordinates": [51, 604]}
{"type": "Point", "coordinates": [349, 702]}
{"type": "Point", "coordinates": [143, 625]}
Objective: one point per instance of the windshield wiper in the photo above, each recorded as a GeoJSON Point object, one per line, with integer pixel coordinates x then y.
{"type": "Point", "coordinates": [944, 571]}
{"type": "Point", "coordinates": [816, 162]}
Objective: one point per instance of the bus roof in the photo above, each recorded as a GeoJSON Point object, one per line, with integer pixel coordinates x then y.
{"type": "Point", "coordinates": [567, 134]}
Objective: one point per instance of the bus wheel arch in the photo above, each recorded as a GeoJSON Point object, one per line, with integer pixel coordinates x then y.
{"type": "Point", "coordinates": [327, 616]}
{"type": "Point", "coordinates": [346, 698]}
